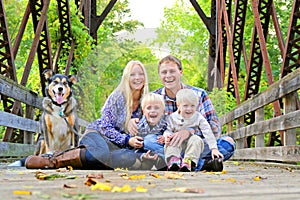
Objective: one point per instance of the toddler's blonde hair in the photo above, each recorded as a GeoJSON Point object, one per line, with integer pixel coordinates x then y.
{"type": "Point", "coordinates": [152, 97]}
{"type": "Point", "coordinates": [186, 95]}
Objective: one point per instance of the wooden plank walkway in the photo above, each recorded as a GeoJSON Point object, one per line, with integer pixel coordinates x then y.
{"type": "Point", "coordinates": [240, 180]}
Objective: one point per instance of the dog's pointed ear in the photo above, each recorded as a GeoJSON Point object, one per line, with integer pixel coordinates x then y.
{"type": "Point", "coordinates": [48, 73]}
{"type": "Point", "coordinates": [72, 79]}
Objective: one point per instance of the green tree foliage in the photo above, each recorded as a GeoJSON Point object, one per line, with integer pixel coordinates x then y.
{"type": "Point", "coordinates": [187, 37]}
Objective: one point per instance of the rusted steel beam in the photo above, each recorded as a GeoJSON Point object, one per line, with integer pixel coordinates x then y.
{"type": "Point", "coordinates": [70, 58]}
{"type": "Point", "coordinates": [97, 20]}
{"type": "Point", "coordinates": [36, 41]}
{"type": "Point", "coordinates": [7, 65]}
{"type": "Point", "coordinates": [21, 30]}
{"type": "Point", "coordinates": [277, 30]}
{"type": "Point", "coordinates": [262, 12]}
{"type": "Point", "coordinates": [209, 23]}
{"type": "Point", "coordinates": [237, 40]}
{"type": "Point", "coordinates": [63, 8]}
{"type": "Point", "coordinates": [39, 9]}
{"type": "Point", "coordinates": [291, 58]}
{"type": "Point", "coordinates": [221, 50]}
{"type": "Point", "coordinates": [254, 67]}
{"type": "Point", "coordinates": [212, 68]}
{"type": "Point", "coordinates": [231, 53]}
{"type": "Point", "coordinates": [262, 40]}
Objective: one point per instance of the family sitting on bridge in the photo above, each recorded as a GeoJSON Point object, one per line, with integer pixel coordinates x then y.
{"type": "Point", "coordinates": [173, 128]}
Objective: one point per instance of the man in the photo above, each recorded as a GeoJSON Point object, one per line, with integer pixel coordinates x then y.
{"type": "Point", "coordinates": [170, 73]}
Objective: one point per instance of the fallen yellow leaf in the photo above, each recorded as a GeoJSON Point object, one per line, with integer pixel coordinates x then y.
{"type": "Point", "coordinates": [141, 189]}
{"type": "Point", "coordinates": [173, 175]}
{"type": "Point", "coordinates": [101, 186]}
{"type": "Point", "coordinates": [133, 177]}
{"type": "Point", "coordinates": [22, 192]}
{"type": "Point", "coordinates": [125, 188]}
{"type": "Point", "coordinates": [236, 163]}
{"type": "Point", "coordinates": [230, 180]}
{"type": "Point", "coordinates": [222, 172]}
{"type": "Point", "coordinates": [155, 175]}
{"type": "Point", "coordinates": [257, 178]}
{"type": "Point", "coordinates": [217, 180]}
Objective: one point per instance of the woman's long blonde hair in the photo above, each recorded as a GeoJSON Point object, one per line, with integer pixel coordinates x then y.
{"type": "Point", "coordinates": [124, 87]}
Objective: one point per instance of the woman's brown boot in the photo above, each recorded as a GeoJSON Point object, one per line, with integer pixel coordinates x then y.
{"type": "Point", "coordinates": [73, 157]}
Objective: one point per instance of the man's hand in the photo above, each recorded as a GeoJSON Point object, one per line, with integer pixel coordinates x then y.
{"type": "Point", "coordinates": [215, 153]}
{"type": "Point", "coordinates": [160, 139]}
{"type": "Point", "coordinates": [179, 137]}
{"type": "Point", "coordinates": [132, 126]}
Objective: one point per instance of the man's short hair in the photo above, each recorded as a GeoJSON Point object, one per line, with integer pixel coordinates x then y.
{"type": "Point", "coordinates": [172, 59]}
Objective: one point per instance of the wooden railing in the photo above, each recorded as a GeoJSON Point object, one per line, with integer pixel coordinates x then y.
{"type": "Point", "coordinates": [33, 102]}
{"type": "Point", "coordinates": [287, 124]}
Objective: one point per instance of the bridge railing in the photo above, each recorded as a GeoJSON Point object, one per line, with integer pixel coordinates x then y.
{"type": "Point", "coordinates": [32, 103]}
{"type": "Point", "coordinates": [287, 124]}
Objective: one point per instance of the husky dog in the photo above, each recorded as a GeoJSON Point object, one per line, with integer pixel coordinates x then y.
{"type": "Point", "coordinates": [59, 121]}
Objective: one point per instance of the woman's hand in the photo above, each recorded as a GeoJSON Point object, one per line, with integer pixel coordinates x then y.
{"type": "Point", "coordinates": [179, 137]}
{"type": "Point", "coordinates": [136, 142]}
{"type": "Point", "coordinates": [215, 153]}
{"type": "Point", "coordinates": [132, 126]}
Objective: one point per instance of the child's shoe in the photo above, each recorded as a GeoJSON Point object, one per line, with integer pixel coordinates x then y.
{"type": "Point", "coordinates": [186, 165]}
{"type": "Point", "coordinates": [174, 164]}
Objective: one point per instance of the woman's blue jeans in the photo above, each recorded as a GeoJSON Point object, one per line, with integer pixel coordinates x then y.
{"type": "Point", "coordinates": [101, 154]}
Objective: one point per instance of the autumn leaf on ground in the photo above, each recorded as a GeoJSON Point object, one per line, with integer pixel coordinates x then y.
{"type": "Point", "coordinates": [120, 169]}
{"type": "Point", "coordinates": [222, 172]}
{"type": "Point", "coordinates": [140, 188]}
{"type": "Point", "coordinates": [173, 175]}
{"type": "Point", "coordinates": [22, 192]}
{"type": "Point", "coordinates": [258, 178]}
{"type": "Point", "coordinates": [215, 180]}
{"type": "Point", "coordinates": [123, 174]}
{"type": "Point", "coordinates": [125, 188]}
{"type": "Point", "coordinates": [65, 169]}
{"type": "Point", "coordinates": [155, 175]}
{"type": "Point", "coordinates": [132, 177]}
{"type": "Point", "coordinates": [43, 176]}
{"type": "Point", "coordinates": [236, 163]}
{"type": "Point", "coordinates": [185, 190]}
{"type": "Point", "coordinates": [69, 186]}
{"type": "Point", "coordinates": [96, 176]}
{"type": "Point", "coordinates": [230, 180]}
{"type": "Point", "coordinates": [90, 182]}
{"type": "Point", "coordinates": [101, 186]}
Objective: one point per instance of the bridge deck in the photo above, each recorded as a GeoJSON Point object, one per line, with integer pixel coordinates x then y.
{"type": "Point", "coordinates": [240, 180]}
